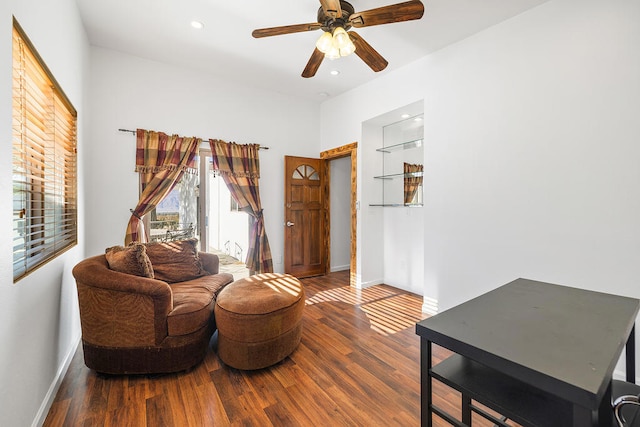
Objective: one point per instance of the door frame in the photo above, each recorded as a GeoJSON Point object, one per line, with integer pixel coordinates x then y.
{"type": "Point", "coordinates": [203, 200]}
{"type": "Point", "coordinates": [349, 150]}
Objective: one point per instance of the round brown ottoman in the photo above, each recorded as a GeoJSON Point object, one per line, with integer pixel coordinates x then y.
{"type": "Point", "coordinates": [259, 320]}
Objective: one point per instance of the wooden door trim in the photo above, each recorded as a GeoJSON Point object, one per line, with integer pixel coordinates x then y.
{"type": "Point", "coordinates": [332, 154]}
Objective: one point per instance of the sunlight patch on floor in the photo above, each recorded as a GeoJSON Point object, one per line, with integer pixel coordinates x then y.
{"type": "Point", "coordinates": [388, 310]}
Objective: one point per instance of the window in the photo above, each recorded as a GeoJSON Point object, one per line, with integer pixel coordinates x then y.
{"type": "Point", "coordinates": [305, 172]}
{"type": "Point", "coordinates": [44, 162]}
{"type": "Point", "coordinates": [233, 205]}
{"type": "Point", "coordinates": [176, 215]}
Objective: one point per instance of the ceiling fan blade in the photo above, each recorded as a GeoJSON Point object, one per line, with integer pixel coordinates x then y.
{"type": "Point", "coordinates": [368, 54]}
{"type": "Point", "coordinates": [313, 64]}
{"type": "Point", "coordinates": [286, 29]}
{"type": "Point", "coordinates": [400, 12]}
{"type": "Point", "coordinates": [331, 8]}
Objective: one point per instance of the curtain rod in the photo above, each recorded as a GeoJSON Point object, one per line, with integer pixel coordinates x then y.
{"type": "Point", "coordinates": [260, 147]}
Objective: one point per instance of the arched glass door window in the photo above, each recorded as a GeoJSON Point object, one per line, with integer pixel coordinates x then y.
{"type": "Point", "coordinates": [306, 172]}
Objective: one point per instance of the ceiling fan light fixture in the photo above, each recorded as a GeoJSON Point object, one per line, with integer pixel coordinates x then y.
{"type": "Point", "coordinates": [335, 44]}
{"type": "Point", "coordinates": [348, 49]}
{"type": "Point", "coordinates": [333, 53]}
{"type": "Point", "coordinates": [325, 42]}
{"type": "Point", "coordinates": [340, 37]}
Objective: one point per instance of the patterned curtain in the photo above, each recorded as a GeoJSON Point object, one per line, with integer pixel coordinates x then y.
{"type": "Point", "coordinates": [412, 181]}
{"type": "Point", "coordinates": [161, 161]}
{"type": "Point", "coordinates": [239, 167]}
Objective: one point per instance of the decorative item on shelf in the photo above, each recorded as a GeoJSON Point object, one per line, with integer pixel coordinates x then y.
{"type": "Point", "coordinates": [412, 182]}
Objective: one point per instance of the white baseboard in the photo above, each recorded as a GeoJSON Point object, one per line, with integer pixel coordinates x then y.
{"type": "Point", "coordinates": [339, 268]}
{"type": "Point", "coordinates": [41, 416]}
{"type": "Point", "coordinates": [362, 285]}
{"type": "Point", "coordinates": [430, 306]}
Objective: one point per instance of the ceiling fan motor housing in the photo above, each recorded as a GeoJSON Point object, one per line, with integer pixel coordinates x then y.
{"type": "Point", "coordinates": [329, 23]}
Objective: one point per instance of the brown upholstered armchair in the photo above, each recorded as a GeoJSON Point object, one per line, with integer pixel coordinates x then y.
{"type": "Point", "coordinates": [140, 325]}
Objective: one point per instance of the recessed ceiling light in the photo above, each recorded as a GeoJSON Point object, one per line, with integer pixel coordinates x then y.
{"type": "Point", "coordinates": [323, 94]}
{"type": "Point", "coordinates": [334, 72]}
{"type": "Point", "coordinates": [417, 119]}
{"type": "Point", "coordinates": [405, 116]}
{"type": "Point", "coordinates": [197, 24]}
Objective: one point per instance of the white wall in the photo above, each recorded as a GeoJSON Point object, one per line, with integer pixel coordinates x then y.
{"type": "Point", "coordinates": [39, 323]}
{"type": "Point", "coordinates": [363, 106]}
{"type": "Point", "coordinates": [340, 202]}
{"type": "Point", "coordinates": [531, 153]}
{"type": "Point", "coordinates": [403, 257]}
{"type": "Point", "coordinates": [130, 92]}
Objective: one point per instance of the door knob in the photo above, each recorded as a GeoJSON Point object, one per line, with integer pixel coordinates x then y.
{"type": "Point", "coordinates": [289, 223]}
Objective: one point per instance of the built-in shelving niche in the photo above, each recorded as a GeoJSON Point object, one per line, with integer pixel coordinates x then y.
{"type": "Point", "coordinates": [402, 163]}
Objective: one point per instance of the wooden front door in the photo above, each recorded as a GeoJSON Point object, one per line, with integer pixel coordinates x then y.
{"type": "Point", "coordinates": [304, 216]}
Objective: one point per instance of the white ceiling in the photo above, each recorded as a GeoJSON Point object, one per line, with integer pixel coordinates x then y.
{"type": "Point", "coordinates": [160, 30]}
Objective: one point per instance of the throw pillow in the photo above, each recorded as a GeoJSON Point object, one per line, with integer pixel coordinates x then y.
{"type": "Point", "coordinates": [130, 260]}
{"type": "Point", "coordinates": [175, 261]}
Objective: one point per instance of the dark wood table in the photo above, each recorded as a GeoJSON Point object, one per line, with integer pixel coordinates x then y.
{"type": "Point", "coordinates": [537, 353]}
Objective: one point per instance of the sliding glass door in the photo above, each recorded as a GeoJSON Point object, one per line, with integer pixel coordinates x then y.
{"type": "Point", "coordinates": [201, 206]}
{"type": "Point", "coordinates": [224, 228]}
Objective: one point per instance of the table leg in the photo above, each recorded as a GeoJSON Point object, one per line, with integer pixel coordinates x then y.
{"type": "Point", "coordinates": [466, 409]}
{"type": "Point", "coordinates": [595, 417]}
{"type": "Point", "coordinates": [425, 383]}
{"type": "Point", "coordinates": [631, 356]}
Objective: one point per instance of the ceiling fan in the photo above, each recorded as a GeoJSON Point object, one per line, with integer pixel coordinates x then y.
{"type": "Point", "coordinates": [335, 19]}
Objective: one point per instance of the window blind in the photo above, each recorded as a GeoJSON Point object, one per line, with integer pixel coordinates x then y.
{"type": "Point", "coordinates": [44, 162]}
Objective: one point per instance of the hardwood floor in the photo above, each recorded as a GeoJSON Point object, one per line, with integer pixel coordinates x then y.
{"type": "Point", "coordinates": [357, 365]}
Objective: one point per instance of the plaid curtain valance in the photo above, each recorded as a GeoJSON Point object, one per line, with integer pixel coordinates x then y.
{"type": "Point", "coordinates": [240, 160]}
{"type": "Point", "coordinates": [157, 151]}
